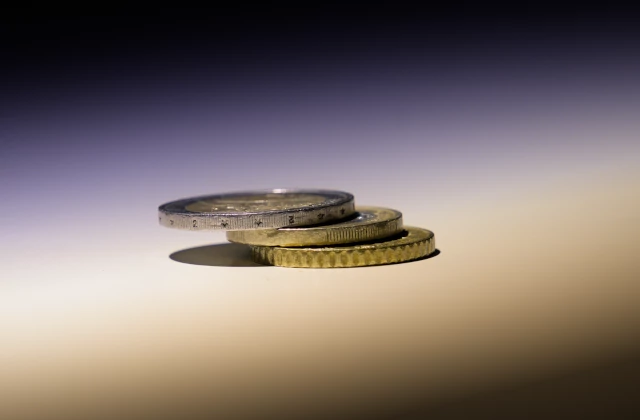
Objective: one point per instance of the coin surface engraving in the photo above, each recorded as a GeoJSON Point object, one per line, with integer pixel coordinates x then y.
{"type": "Point", "coordinates": [414, 243]}
{"type": "Point", "coordinates": [257, 210]}
{"type": "Point", "coordinates": [369, 223]}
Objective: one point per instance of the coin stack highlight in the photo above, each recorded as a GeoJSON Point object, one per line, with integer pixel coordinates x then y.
{"type": "Point", "coordinates": [303, 228]}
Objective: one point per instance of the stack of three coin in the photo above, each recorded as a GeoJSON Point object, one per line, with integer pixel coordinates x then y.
{"type": "Point", "coordinates": [304, 228]}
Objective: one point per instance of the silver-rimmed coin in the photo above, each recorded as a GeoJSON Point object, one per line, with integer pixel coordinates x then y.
{"type": "Point", "coordinates": [270, 209]}
{"type": "Point", "coordinates": [369, 223]}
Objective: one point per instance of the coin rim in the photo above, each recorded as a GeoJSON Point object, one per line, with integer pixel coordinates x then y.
{"type": "Point", "coordinates": [176, 210]}
{"type": "Point", "coordinates": [296, 236]}
{"type": "Point", "coordinates": [415, 236]}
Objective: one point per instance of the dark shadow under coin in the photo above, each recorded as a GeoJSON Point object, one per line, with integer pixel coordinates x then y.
{"type": "Point", "coordinates": [426, 257]}
{"type": "Point", "coordinates": [234, 255]}
{"type": "Point", "coordinates": [219, 255]}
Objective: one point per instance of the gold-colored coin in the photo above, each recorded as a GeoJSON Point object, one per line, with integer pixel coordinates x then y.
{"type": "Point", "coordinates": [370, 223]}
{"type": "Point", "coordinates": [413, 243]}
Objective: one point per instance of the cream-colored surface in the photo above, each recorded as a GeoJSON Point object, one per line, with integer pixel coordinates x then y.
{"type": "Point", "coordinates": [528, 281]}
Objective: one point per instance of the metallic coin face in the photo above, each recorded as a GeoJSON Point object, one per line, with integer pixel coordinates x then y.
{"type": "Point", "coordinates": [369, 223]}
{"type": "Point", "coordinates": [236, 204]}
{"type": "Point", "coordinates": [257, 210]}
{"type": "Point", "coordinates": [414, 243]}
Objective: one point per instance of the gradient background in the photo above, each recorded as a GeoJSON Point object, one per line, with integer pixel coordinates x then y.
{"type": "Point", "coordinates": [514, 136]}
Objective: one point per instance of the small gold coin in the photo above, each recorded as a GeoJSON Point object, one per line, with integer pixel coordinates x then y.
{"type": "Point", "coordinates": [412, 244]}
{"type": "Point", "coordinates": [371, 223]}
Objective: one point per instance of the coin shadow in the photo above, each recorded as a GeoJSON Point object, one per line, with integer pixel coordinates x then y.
{"type": "Point", "coordinates": [426, 257]}
{"type": "Point", "coordinates": [235, 255]}
{"type": "Point", "coordinates": [217, 255]}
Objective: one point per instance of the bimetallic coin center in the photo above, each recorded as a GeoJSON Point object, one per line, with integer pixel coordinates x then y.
{"type": "Point", "coordinates": [252, 204]}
